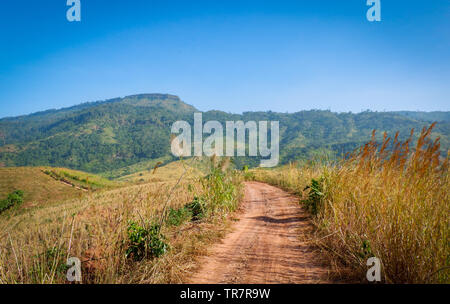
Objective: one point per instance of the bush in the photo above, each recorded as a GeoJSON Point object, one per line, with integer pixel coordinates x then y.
{"type": "Point", "coordinates": [14, 199]}
{"type": "Point", "coordinates": [220, 190]}
{"type": "Point", "coordinates": [145, 242]}
{"type": "Point", "coordinates": [314, 200]}
{"type": "Point", "coordinates": [177, 216]}
{"type": "Point", "coordinates": [197, 208]}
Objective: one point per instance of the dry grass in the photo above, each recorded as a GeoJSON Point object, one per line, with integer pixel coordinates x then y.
{"type": "Point", "coordinates": [35, 245]}
{"type": "Point", "coordinates": [161, 174]}
{"type": "Point", "coordinates": [292, 178]}
{"type": "Point", "coordinates": [387, 201]}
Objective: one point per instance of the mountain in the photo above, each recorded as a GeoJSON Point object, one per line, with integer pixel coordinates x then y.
{"type": "Point", "coordinates": [94, 137]}
{"type": "Point", "coordinates": [105, 136]}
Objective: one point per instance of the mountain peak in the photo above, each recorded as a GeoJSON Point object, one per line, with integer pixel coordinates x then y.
{"type": "Point", "coordinates": [153, 96]}
{"type": "Point", "coordinates": [168, 101]}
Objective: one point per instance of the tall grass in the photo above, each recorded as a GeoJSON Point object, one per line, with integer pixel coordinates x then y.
{"type": "Point", "coordinates": [387, 200]}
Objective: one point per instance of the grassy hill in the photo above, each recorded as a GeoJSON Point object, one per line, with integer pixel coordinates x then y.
{"type": "Point", "coordinates": [43, 185]}
{"type": "Point", "coordinates": [38, 187]}
{"type": "Point", "coordinates": [47, 184]}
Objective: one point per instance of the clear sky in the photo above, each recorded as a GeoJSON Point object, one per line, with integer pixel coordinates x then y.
{"type": "Point", "coordinates": [228, 55]}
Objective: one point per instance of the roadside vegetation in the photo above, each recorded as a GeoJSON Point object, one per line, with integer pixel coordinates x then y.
{"type": "Point", "coordinates": [145, 233]}
{"type": "Point", "coordinates": [387, 200]}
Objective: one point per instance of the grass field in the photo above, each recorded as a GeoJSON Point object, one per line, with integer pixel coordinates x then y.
{"type": "Point", "coordinates": [164, 173]}
{"type": "Point", "coordinates": [142, 166]}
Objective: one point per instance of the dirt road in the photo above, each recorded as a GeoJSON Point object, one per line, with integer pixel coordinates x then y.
{"type": "Point", "coordinates": [265, 245]}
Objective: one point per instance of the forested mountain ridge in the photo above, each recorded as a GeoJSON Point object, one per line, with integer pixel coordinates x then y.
{"type": "Point", "coordinates": [107, 135]}
{"type": "Point", "coordinates": [94, 137]}
{"type": "Point", "coordinates": [438, 116]}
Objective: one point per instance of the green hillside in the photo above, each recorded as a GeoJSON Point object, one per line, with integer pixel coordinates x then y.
{"type": "Point", "coordinates": [125, 135]}
{"type": "Point", "coordinates": [94, 137]}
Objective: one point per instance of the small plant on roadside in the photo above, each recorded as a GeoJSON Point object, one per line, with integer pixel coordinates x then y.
{"type": "Point", "coordinates": [145, 241]}
{"type": "Point", "coordinates": [248, 176]}
{"type": "Point", "coordinates": [178, 216]}
{"type": "Point", "coordinates": [197, 208]}
{"type": "Point", "coordinates": [366, 250]}
{"type": "Point", "coordinates": [220, 189]}
{"type": "Point", "coordinates": [313, 202]}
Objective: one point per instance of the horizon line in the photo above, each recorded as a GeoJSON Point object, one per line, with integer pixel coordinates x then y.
{"type": "Point", "coordinates": [116, 99]}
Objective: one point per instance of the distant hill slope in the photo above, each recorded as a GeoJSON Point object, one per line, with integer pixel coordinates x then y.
{"type": "Point", "coordinates": [133, 131]}
{"type": "Point", "coordinates": [438, 116]}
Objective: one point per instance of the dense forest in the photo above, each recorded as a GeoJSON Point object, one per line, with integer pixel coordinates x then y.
{"type": "Point", "coordinates": [107, 135]}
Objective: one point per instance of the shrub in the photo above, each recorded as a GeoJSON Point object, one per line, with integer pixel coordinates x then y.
{"type": "Point", "coordinates": [177, 216]}
{"type": "Point", "coordinates": [145, 242]}
{"type": "Point", "coordinates": [197, 208]}
{"type": "Point", "coordinates": [220, 190]}
{"type": "Point", "coordinates": [314, 200]}
{"type": "Point", "coordinates": [14, 199]}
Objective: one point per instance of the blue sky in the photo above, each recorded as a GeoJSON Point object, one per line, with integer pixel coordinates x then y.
{"type": "Point", "coordinates": [228, 55]}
